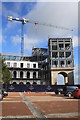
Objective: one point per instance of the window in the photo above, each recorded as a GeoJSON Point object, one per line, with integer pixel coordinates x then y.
{"type": "Point", "coordinates": [61, 46]}
{"type": "Point", "coordinates": [21, 74]}
{"type": "Point", "coordinates": [15, 65]}
{"type": "Point", "coordinates": [8, 64]}
{"type": "Point", "coordinates": [34, 74]}
{"type": "Point", "coordinates": [61, 54]}
{"type": "Point", "coordinates": [28, 65]}
{"type": "Point", "coordinates": [34, 65]}
{"type": "Point", "coordinates": [62, 63]}
{"type": "Point", "coordinates": [54, 46]}
{"type": "Point", "coordinates": [21, 65]}
{"type": "Point", "coordinates": [14, 74]}
{"type": "Point", "coordinates": [28, 74]}
{"type": "Point", "coordinates": [54, 54]}
{"type": "Point", "coordinates": [55, 63]}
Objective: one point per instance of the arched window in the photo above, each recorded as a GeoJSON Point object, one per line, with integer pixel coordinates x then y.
{"type": "Point", "coordinates": [14, 83]}
{"type": "Point", "coordinates": [28, 74]}
{"type": "Point", "coordinates": [34, 74]}
{"type": "Point", "coordinates": [14, 74]}
{"type": "Point", "coordinates": [21, 74]}
{"type": "Point", "coordinates": [34, 83]}
{"type": "Point", "coordinates": [28, 83]}
{"type": "Point", "coordinates": [21, 83]}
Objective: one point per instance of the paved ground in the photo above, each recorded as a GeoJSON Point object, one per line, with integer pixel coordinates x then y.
{"type": "Point", "coordinates": [35, 106]}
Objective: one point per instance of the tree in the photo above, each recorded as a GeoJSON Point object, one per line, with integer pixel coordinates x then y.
{"type": "Point", "coordinates": [4, 72]}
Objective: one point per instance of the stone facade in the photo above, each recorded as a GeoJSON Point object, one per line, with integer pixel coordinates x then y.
{"type": "Point", "coordinates": [61, 59]}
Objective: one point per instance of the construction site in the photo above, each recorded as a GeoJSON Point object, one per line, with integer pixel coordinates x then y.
{"type": "Point", "coordinates": [45, 64]}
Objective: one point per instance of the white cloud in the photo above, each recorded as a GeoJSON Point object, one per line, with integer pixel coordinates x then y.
{"type": "Point", "coordinates": [60, 14]}
{"type": "Point", "coordinates": [28, 42]}
{"type": "Point", "coordinates": [16, 39]}
{"type": "Point", "coordinates": [55, 13]}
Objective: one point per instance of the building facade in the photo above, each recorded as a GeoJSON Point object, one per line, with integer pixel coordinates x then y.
{"type": "Point", "coordinates": [24, 72]}
{"type": "Point", "coordinates": [61, 60]}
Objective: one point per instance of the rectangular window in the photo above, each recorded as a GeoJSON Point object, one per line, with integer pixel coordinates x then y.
{"type": "Point", "coordinates": [28, 65]}
{"type": "Point", "coordinates": [34, 65]}
{"type": "Point", "coordinates": [21, 65]}
{"type": "Point", "coordinates": [54, 54]}
{"type": "Point", "coordinates": [61, 54]}
{"type": "Point", "coordinates": [54, 63]}
{"type": "Point", "coordinates": [8, 64]}
{"type": "Point", "coordinates": [15, 65]}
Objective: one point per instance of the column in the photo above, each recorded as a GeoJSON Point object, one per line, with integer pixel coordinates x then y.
{"type": "Point", "coordinates": [31, 74]}
{"type": "Point", "coordinates": [66, 80]}
{"type": "Point", "coordinates": [24, 75]}
{"type": "Point", "coordinates": [53, 78]}
{"type": "Point", "coordinates": [37, 74]}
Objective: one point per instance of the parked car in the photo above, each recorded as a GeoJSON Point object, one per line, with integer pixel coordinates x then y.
{"type": "Point", "coordinates": [76, 93]}
{"type": "Point", "coordinates": [59, 91]}
{"type": "Point", "coordinates": [67, 90]}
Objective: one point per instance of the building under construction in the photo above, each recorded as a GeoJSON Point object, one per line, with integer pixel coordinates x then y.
{"type": "Point", "coordinates": [61, 60]}
{"type": "Point", "coordinates": [44, 65]}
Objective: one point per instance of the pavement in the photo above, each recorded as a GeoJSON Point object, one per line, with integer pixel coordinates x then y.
{"type": "Point", "coordinates": [38, 106]}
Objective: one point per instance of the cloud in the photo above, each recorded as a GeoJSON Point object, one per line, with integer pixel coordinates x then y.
{"type": "Point", "coordinates": [29, 43]}
{"type": "Point", "coordinates": [60, 14]}
{"type": "Point", "coordinates": [16, 39]}
{"type": "Point", "coordinates": [55, 13]}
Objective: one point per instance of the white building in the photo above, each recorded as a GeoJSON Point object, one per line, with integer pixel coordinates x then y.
{"type": "Point", "coordinates": [25, 72]}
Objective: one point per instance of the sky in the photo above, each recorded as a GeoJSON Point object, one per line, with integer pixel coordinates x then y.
{"type": "Point", "coordinates": [64, 14]}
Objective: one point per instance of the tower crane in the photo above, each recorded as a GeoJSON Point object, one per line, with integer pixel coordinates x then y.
{"type": "Point", "coordinates": [24, 21]}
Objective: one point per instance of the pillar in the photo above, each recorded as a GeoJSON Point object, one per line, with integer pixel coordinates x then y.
{"type": "Point", "coordinates": [71, 78]}
{"type": "Point", "coordinates": [66, 80]}
{"type": "Point", "coordinates": [24, 74]}
{"type": "Point", "coordinates": [36, 74]}
{"type": "Point", "coordinates": [53, 78]}
{"type": "Point", "coordinates": [31, 74]}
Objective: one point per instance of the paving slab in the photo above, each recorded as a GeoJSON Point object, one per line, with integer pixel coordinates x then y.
{"type": "Point", "coordinates": [15, 109]}
{"type": "Point", "coordinates": [57, 107]}
{"type": "Point", "coordinates": [35, 111]}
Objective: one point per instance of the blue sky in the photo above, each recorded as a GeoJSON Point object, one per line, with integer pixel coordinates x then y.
{"type": "Point", "coordinates": [60, 14]}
